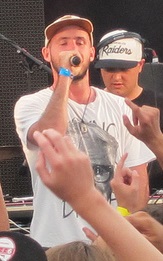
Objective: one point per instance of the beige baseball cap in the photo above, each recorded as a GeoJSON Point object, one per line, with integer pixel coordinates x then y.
{"type": "Point", "coordinates": [66, 20]}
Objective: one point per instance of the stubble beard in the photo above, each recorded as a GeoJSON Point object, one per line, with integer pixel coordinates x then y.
{"type": "Point", "coordinates": [75, 78]}
{"type": "Point", "coordinates": [80, 76]}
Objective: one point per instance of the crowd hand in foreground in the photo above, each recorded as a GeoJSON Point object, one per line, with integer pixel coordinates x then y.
{"type": "Point", "coordinates": [129, 191]}
{"type": "Point", "coordinates": [72, 168]}
{"type": "Point", "coordinates": [146, 127]}
{"type": "Point", "coordinates": [149, 227]}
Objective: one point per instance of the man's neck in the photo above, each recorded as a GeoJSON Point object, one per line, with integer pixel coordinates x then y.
{"type": "Point", "coordinates": [79, 91]}
{"type": "Point", "coordinates": [135, 94]}
{"type": "Point", "coordinates": [82, 94]}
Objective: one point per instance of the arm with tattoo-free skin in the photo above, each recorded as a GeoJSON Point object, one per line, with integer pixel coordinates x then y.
{"type": "Point", "coordinates": [55, 115]}
{"type": "Point", "coordinates": [126, 185]}
{"type": "Point", "coordinates": [146, 127]}
{"type": "Point", "coordinates": [72, 168]}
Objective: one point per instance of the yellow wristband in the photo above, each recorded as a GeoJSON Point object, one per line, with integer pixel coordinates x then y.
{"type": "Point", "coordinates": [123, 211]}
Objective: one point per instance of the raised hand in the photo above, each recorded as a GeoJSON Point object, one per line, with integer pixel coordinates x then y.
{"type": "Point", "coordinates": [63, 176]}
{"type": "Point", "coordinates": [146, 122]}
{"type": "Point", "coordinates": [130, 192]}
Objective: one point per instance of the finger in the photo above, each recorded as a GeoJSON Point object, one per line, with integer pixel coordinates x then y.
{"type": "Point", "coordinates": [42, 169]}
{"type": "Point", "coordinates": [132, 105]}
{"type": "Point", "coordinates": [55, 138]}
{"type": "Point", "coordinates": [139, 113]}
{"type": "Point", "coordinates": [128, 124]}
{"type": "Point", "coordinates": [135, 110]}
{"type": "Point", "coordinates": [127, 176]}
{"type": "Point", "coordinates": [70, 145]}
{"type": "Point", "coordinates": [89, 234]}
{"type": "Point", "coordinates": [47, 147]}
{"type": "Point", "coordinates": [41, 139]}
{"type": "Point", "coordinates": [44, 143]}
{"type": "Point", "coordinates": [62, 144]}
{"type": "Point", "coordinates": [118, 171]}
{"type": "Point", "coordinates": [138, 219]}
{"type": "Point", "coordinates": [135, 178]}
{"type": "Point", "coordinates": [119, 179]}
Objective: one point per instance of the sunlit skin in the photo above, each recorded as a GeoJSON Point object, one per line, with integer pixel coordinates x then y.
{"type": "Point", "coordinates": [74, 40]}
{"type": "Point", "coordinates": [66, 42]}
{"type": "Point", "coordinates": [123, 82]}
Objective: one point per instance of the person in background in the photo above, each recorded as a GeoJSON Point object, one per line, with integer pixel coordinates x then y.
{"type": "Point", "coordinates": [90, 116]}
{"type": "Point", "coordinates": [120, 58]}
{"type": "Point", "coordinates": [78, 251]}
{"type": "Point", "coordinates": [71, 167]}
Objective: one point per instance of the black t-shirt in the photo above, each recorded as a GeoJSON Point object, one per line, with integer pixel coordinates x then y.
{"type": "Point", "coordinates": [154, 99]}
{"type": "Point", "coordinates": [151, 98]}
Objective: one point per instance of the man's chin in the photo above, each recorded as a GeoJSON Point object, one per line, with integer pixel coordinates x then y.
{"type": "Point", "coordinates": [79, 77]}
{"type": "Point", "coordinates": [119, 93]}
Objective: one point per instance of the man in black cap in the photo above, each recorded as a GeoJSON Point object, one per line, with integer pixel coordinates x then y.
{"type": "Point", "coordinates": [120, 58]}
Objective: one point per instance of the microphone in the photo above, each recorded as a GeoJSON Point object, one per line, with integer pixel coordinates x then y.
{"type": "Point", "coordinates": [75, 60]}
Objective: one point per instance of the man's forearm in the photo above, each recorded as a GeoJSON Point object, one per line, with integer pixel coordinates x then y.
{"type": "Point", "coordinates": [115, 230]}
{"type": "Point", "coordinates": [55, 115]}
{"type": "Point", "coordinates": [156, 145]}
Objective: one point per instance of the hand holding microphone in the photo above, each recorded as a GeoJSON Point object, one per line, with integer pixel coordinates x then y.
{"type": "Point", "coordinates": [75, 60]}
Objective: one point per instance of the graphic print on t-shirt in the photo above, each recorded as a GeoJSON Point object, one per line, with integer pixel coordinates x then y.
{"type": "Point", "coordinates": [101, 148]}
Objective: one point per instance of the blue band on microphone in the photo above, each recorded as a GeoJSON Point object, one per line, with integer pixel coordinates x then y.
{"type": "Point", "coordinates": [65, 72]}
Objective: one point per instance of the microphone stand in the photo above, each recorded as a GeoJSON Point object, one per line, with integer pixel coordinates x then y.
{"type": "Point", "coordinates": [28, 60]}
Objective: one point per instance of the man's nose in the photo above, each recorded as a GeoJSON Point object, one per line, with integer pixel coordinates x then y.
{"type": "Point", "coordinates": [72, 45]}
{"type": "Point", "coordinates": [117, 75]}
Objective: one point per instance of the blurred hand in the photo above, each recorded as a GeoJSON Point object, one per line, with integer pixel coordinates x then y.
{"type": "Point", "coordinates": [149, 227]}
{"type": "Point", "coordinates": [146, 122]}
{"type": "Point", "coordinates": [128, 188]}
{"type": "Point", "coordinates": [68, 167]}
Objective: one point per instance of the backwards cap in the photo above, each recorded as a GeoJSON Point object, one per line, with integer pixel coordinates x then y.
{"type": "Point", "coordinates": [119, 49]}
{"type": "Point", "coordinates": [67, 20]}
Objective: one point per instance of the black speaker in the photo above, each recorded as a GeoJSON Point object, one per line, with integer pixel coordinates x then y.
{"type": "Point", "coordinates": [151, 77]}
{"type": "Point", "coordinates": [21, 22]}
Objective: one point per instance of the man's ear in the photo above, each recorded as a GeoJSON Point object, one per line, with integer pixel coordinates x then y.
{"type": "Point", "coordinates": [92, 54]}
{"type": "Point", "coordinates": [45, 53]}
{"type": "Point", "coordinates": [142, 62]}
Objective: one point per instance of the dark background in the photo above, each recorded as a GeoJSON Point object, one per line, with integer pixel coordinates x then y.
{"type": "Point", "coordinates": [142, 16]}
{"type": "Point", "coordinates": [23, 23]}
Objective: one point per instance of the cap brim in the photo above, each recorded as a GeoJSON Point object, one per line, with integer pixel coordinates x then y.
{"type": "Point", "coordinates": [102, 64]}
{"type": "Point", "coordinates": [52, 29]}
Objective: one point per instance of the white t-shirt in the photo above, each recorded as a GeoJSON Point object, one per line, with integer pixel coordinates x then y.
{"type": "Point", "coordinates": [96, 128]}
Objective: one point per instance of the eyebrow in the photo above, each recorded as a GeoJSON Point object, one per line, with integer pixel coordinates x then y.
{"type": "Point", "coordinates": [67, 38]}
